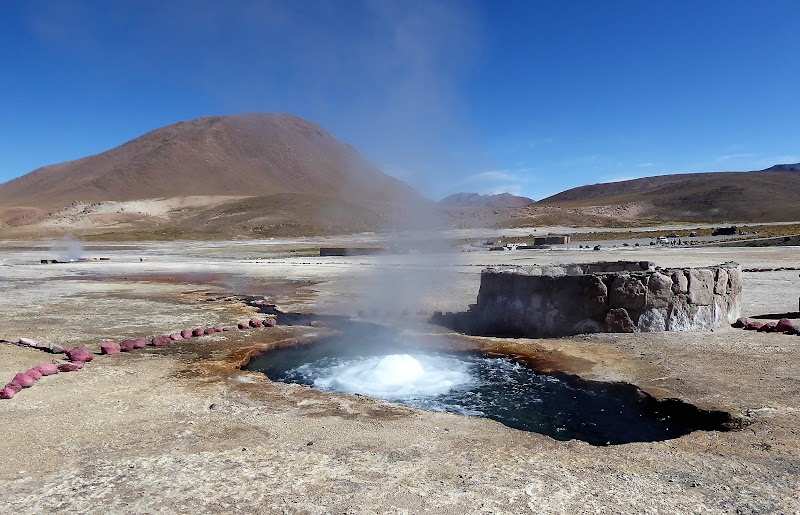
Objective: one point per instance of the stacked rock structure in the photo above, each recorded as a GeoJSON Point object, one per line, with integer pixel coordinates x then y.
{"type": "Point", "coordinates": [622, 296]}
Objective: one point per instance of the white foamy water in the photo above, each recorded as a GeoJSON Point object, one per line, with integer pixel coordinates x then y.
{"type": "Point", "coordinates": [392, 377]}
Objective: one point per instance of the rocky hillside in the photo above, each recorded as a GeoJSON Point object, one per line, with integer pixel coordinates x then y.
{"type": "Point", "coordinates": [761, 196]}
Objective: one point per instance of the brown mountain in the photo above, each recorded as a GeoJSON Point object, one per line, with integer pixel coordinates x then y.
{"type": "Point", "coordinates": [251, 155]}
{"type": "Point", "coordinates": [490, 201]}
{"type": "Point", "coordinates": [763, 196]}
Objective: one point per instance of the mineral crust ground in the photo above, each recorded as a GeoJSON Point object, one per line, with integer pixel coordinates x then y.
{"type": "Point", "coordinates": [181, 429]}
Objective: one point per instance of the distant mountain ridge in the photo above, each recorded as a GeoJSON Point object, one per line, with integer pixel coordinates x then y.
{"type": "Point", "coordinates": [250, 154]}
{"type": "Point", "coordinates": [760, 196]}
{"type": "Point", "coordinates": [489, 201]}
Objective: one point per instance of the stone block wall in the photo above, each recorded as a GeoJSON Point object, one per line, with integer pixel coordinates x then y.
{"type": "Point", "coordinates": [623, 296]}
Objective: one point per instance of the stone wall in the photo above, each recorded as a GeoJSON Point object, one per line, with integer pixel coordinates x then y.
{"type": "Point", "coordinates": [623, 296]}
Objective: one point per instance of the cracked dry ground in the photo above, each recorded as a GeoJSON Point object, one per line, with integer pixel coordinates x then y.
{"type": "Point", "coordinates": [180, 429]}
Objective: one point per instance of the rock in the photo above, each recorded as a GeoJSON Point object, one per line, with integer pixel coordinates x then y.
{"type": "Point", "coordinates": [680, 284]}
{"type": "Point", "coordinates": [29, 342]}
{"type": "Point", "coordinates": [198, 332]}
{"type": "Point", "coordinates": [627, 292]}
{"type": "Point", "coordinates": [139, 344]}
{"type": "Point", "coordinates": [659, 291]}
{"type": "Point", "coordinates": [721, 282]}
{"type": "Point", "coordinates": [109, 348]}
{"type": "Point", "coordinates": [186, 333]}
{"type": "Point", "coordinates": [70, 367]}
{"type": "Point", "coordinates": [701, 286]}
{"type": "Point", "coordinates": [56, 349]}
{"type": "Point", "coordinates": [24, 380]}
{"type": "Point", "coordinates": [740, 323]}
{"type": "Point", "coordinates": [79, 354]}
{"type": "Point", "coordinates": [618, 321]}
{"type": "Point", "coordinates": [769, 327]}
{"type": "Point", "coordinates": [785, 325]}
{"type": "Point", "coordinates": [254, 322]}
{"type": "Point", "coordinates": [270, 322]}
{"type": "Point", "coordinates": [7, 393]}
{"type": "Point", "coordinates": [217, 329]}
{"type": "Point", "coordinates": [47, 369]}
{"type": "Point", "coordinates": [160, 341]}
{"type": "Point", "coordinates": [176, 337]}
{"type": "Point", "coordinates": [34, 374]}
{"type": "Point", "coordinates": [210, 330]}
{"type": "Point", "coordinates": [13, 385]}
{"type": "Point", "coordinates": [243, 325]}
{"type": "Point", "coordinates": [753, 325]}
{"type": "Point", "coordinates": [126, 346]}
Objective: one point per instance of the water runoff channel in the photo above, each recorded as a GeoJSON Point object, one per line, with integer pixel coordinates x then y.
{"type": "Point", "coordinates": [379, 361]}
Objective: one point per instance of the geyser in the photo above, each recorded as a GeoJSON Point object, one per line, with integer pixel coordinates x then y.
{"type": "Point", "coordinates": [375, 361]}
{"type": "Point", "coordinates": [391, 377]}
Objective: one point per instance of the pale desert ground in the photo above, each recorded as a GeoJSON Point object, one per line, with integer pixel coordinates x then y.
{"type": "Point", "coordinates": [180, 429]}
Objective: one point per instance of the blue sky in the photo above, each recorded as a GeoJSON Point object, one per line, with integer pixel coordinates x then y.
{"type": "Point", "coordinates": [531, 97]}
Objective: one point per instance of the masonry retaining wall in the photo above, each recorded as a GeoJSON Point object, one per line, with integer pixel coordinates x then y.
{"type": "Point", "coordinates": [623, 296]}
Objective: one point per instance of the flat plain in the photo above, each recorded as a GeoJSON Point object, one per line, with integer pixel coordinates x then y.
{"type": "Point", "coordinates": [182, 428]}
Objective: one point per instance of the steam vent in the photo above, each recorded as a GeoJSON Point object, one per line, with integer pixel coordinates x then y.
{"type": "Point", "coordinates": [623, 296]}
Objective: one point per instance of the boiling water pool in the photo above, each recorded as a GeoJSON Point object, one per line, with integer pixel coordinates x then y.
{"type": "Point", "coordinates": [472, 383]}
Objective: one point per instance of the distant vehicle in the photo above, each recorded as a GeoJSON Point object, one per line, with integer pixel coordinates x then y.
{"type": "Point", "coordinates": [662, 240]}
{"type": "Point", "coordinates": [693, 234]}
{"type": "Point", "coordinates": [724, 231]}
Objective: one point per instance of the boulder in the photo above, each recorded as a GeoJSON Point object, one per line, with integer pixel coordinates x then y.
{"type": "Point", "coordinates": [160, 341]}
{"type": "Point", "coordinates": [701, 286]}
{"type": "Point", "coordinates": [627, 292]}
{"type": "Point", "coordinates": [753, 325]}
{"type": "Point", "coordinates": [618, 321]}
{"type": "Point", "coordinates": [740, 323]}
{"type": "Point", "coordinates": [79, 354]}
{"type": "Point", "coordinates": [785, 325]}
{"type": "Point", "coordinates": [56, 349]}
{"type": "Point", "coordinates": [139, 343]}
{"type": "Point", "coordinates": [47, 369]}
{"type": "Point", "coordinates": [186, 333]}
{"type": "Point", "coordinates": [24, 380]}
{"type": "Point", "coordinates": [680, 284]}
{"type": "Point", "coordinates": [769, 327]}
{"type": "Point", "coordinates": [243, 325]}
{"type": "Point", "coordinates": [217, 329]}
{"type": "Point", "coordinates": [254, 322]}
{"type": "Point", "coordinates": [126, 346]}
{"type": "Point", "coordinates": [209, 330]}
{"type": "Point", "coordinates": [176, 337]}
{"type": "Point", "coordinates": [70, 367]}
{"type": "Point", "coordinates": [13, 385]}
{"type": "Point", "coordinates": [109, 348]}
{"type": "Point", "coordinates": [270, 322]}
{"type": "Point", "coordinates": [34, 374]}
{"type": "Point", "coordinates": [659, 290]}
{"type": "Point", "coordinates": [7, 393]}
{"type": "Point", "coordinates": [197, 332]}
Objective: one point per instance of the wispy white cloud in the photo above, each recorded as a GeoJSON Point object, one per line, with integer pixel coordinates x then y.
{"type": "Point", "coordinates": [646, 165]}
{"type": "Point", "coordinates": [489, 176]}
{"type": "Point", "coordinates": [728, 157]}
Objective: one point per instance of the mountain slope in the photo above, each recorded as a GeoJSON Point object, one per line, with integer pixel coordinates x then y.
{"type": "Point", "coordinates": [491, 201]}
{"type": "Point", "coordinates": [762, 196]}
{"type": "Point", "coordinates": [241, 155]}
